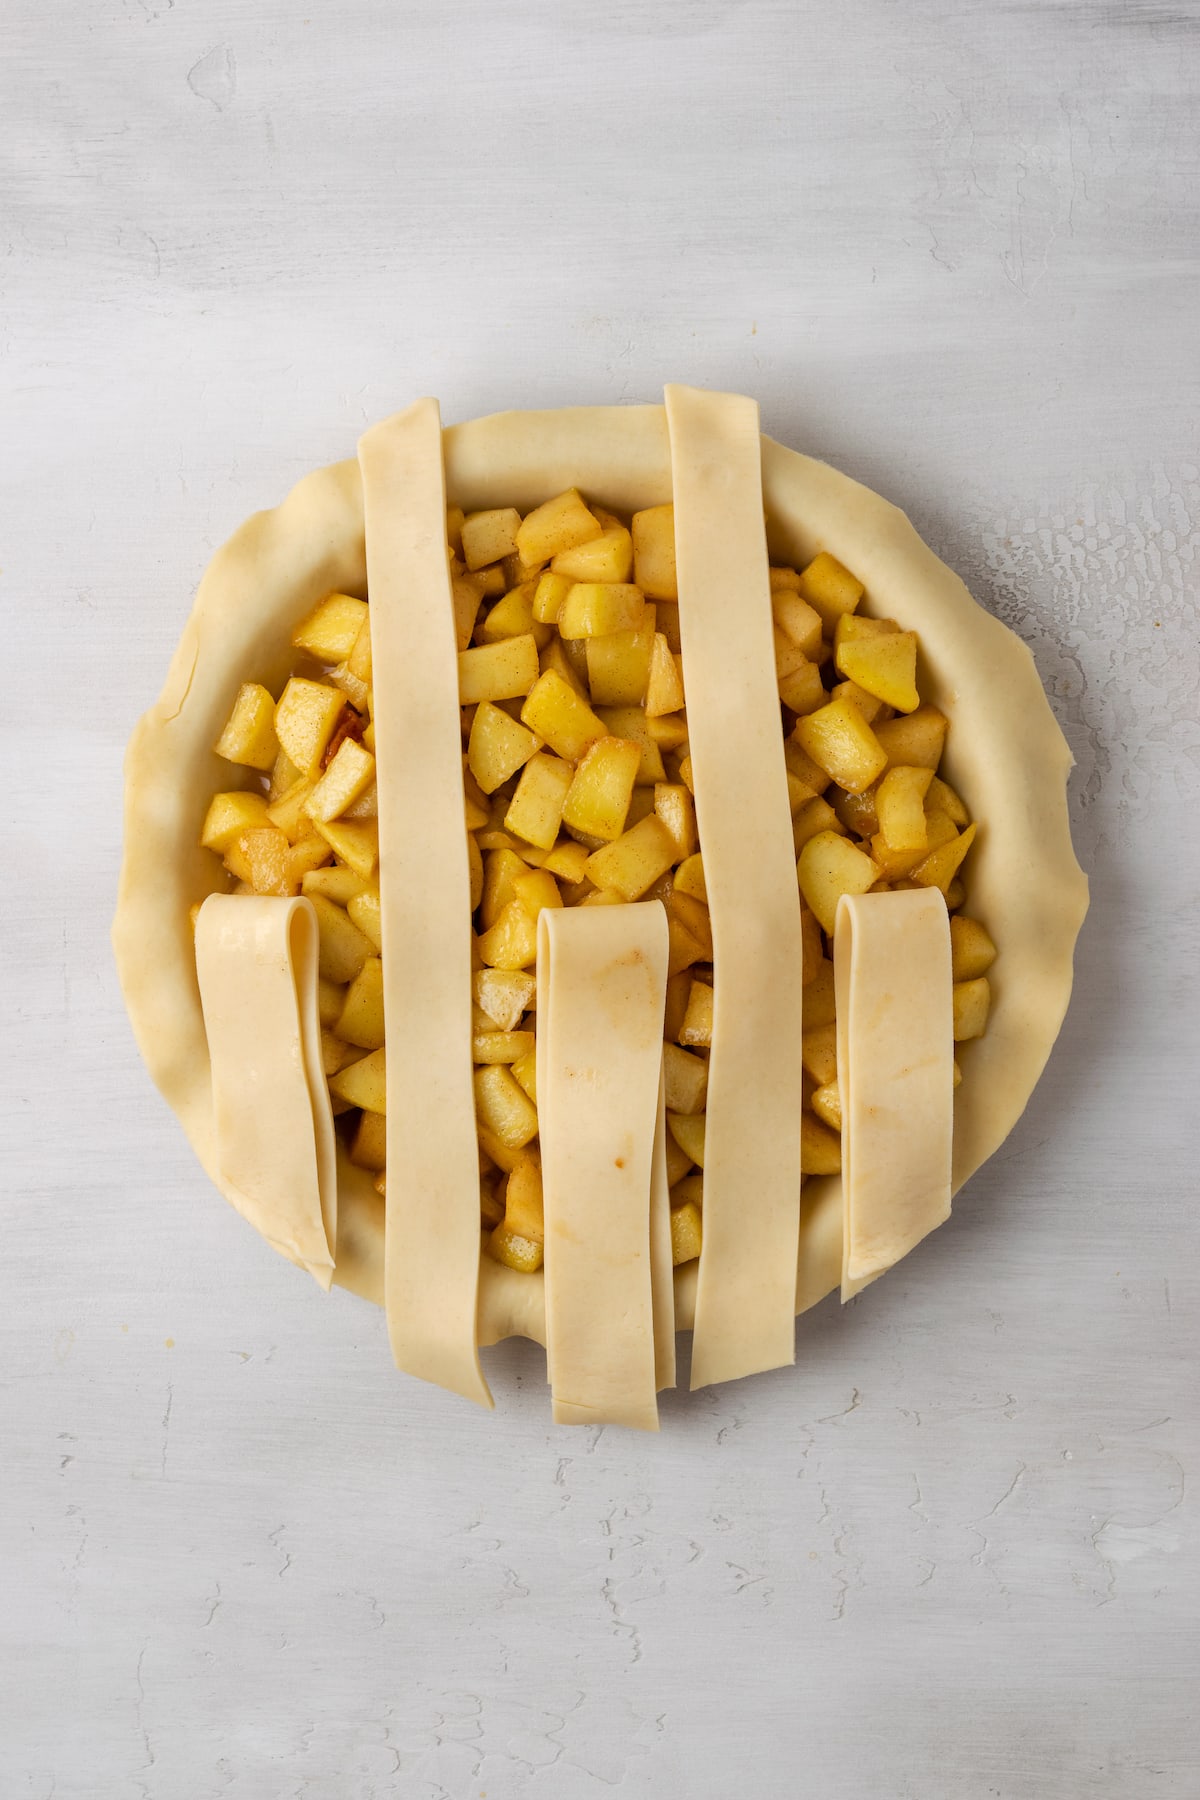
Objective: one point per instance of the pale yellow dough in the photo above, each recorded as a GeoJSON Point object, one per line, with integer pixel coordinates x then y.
{"type": "Point", "coordinates": [602, 984]}
{"type": "Point", "coordinates": [1007, 758]}
{"type": "Point", "coordinates": [256, 960]}
{"type": "Point", "coordinates": [895, 1053]}
{"type": "Point", "coordinates": [745, 1294]}
{"type": "Point", "coordinates": [431, 1274]}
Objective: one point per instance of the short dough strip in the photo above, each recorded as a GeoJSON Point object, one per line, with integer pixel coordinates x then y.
{"type": "Point", "coordinates": [602, 980]}
{"type": "Point", "coordinates": [431, 1244]}
{"type": "Point", "coordinates": [895, 1053]}
{"type": "Point", "coordinates": [745, 1292]}
{"type": "Point", "coordinates": [256, 962]}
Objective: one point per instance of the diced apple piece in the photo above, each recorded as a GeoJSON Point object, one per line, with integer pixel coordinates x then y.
{"type": "Point", "coordinates": [819, 1053]}
{"type": "Point", "coordinates": [798, 621]}
{"type": "Point", "coordinates": [487, 536]}
{"type": "Point", "coordinates": [820, 1150]}
{"type": "Point", "coordinates": [839, 740]}
{"type": "Point", "coordinates": [474, 869]}
{"type": "Point", "coordinates": [356, 844]}
{"type": "Point", "coordinates": [369, 1149]}
{"type": "Point", "coordinates": [807, 779]}
{"type": "Point", "coordinates": [689, 878]}
{"type": "Point", "coordinates": [916, 740]}
{"type": "Point", "coordinates": [812, 817]}
{"type": "Point", "coordinates": [631, 722]}
{"type": "Point", "coordinates": [635, 861]}
{"type": "Point", "coordinates": [942, 798]}
{"type": "Point", "coordinates": [867, 704]}
{"type": "Point", "coordinates": [536, 891]}
{"type": "Point", "coordinates": [943, 863]}
{"type": "Point", "coordinates": [686, 1079]}
{"type": "Point", "coordinates": [857, 811]}
{"type": "Point", "coordinates": [972, 951]}
{"type": "Point", "coordinates": [698, 1019]}
{"type": "Point", "coordinates": [683, 947]}
{"type": "Point", "coordinates": [687, 1232]}
{"type": "Point", "coordinates": [693, 916]}
{"type": "Point", "coordinates": [971, 1002]}
{"type": "Point", "coordinates": [331, 630]}
{"type": "Point", "coordinates": [802, 689]}
{"type": "Point", "coordinates": [898, 865]}
{"type": "Point", "coordinates": [830, 587]}
{"type": "Point", "coordinates": [675, 1009]}
{"type": "Point", "coordinates": [677, 810]}
{"type": "Point", "coordinates": [228, 816]}
{"type": "Point", "coordinates": [900, 807]}
{"type": "Point", "coordinates": [664, 681]}
{"type": "Point", "coordinates": [853, 627]}
{"type": "Point", "coordinates": [361, 1020]}
{"type": "Point", "coordinates": [501, 868]}
{"type": "Point", "coordinates": [260, 857]}
{"type": "Point", "coordinates": [678, 1162]}
{"type": "Point", "coordinates": [363, 909]}
{"type": "Point", "coordinates": [827, 1105]}
{"type": "Point", "coordinates": [829, 867]}
{"type": "Point", "coordinates": [514, 1251]}
{"type": "Point", "coordinates": [489, 1047]}
{"type": "Point", "coordinates": [608, 557]}
{"type": "Point", "coordinates": [618, 665]}
{"type": "Point", "coordinates": [466, 594]}
{"type": "Point", "coordinates": [782, 579]}
{"type": "Point", "coordinates": [598, 798]}
{"type": "Point", "coordinates": [342, 947]}
{"type": "Point", "coordinates": [304, 858]}
{"type": "Point", "coordinates": [535, 812]}
{"type": "Point", "coordinates": [560, 717]}
{"type": "Point", "coordinates": [503, 994]}
{"type": "Point", "coordinates": [884, 666]}
{"type": "Point", "coordinates": [349, 774]}
{"type": "Point", "coordinates": [498, 746]}
{"type": "Point", "coordinates": [820, 998]}
{"type": "Point", "coordinates": [335, 1054]}
{"type": "Point", "coordinates": [511, 943]}
{"type": "Point", "coordinates": [596, 608]}
{"type": "Point", "coordinates": [364, 1083]}
{"type": "Point", "coordinates": [331, 997]}
{"type": "Point", "coordinates": [502, 671]}
{"type": "Point", "coordinates": [567, 860]}
{"type": "Point", "coordinates": [249, 734]}
{"type": "Point", "coordinates": [290, 813]}
{"type": "Point", "coordinates": [504, 1107]}
{"type": "Point", "coordinates": [557, 525]}
{"type": "Point", "coordinates": [548, 597]}
{"type": "Point", "coordinates": [523, 1206]}
{"type": "Point", "coordinates": [512, 616]}
{"type": "Point", "coordinates": [653, 532]}
{"type": "Point", "coordinates": [284, 775]}
{"type": "Point", "coordinates": [305, 719]}
{"type": "Point", "coordinates": [688, 1131]}
{"type": "Point", "coordinates": [525, 1072]}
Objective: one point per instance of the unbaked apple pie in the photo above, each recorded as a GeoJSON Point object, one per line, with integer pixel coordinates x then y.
{"type": "Point", "coordinates": [563, 880]}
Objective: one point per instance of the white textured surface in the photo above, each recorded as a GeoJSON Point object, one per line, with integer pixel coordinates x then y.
{"type": "Point", "coordinates": [950, 1556]}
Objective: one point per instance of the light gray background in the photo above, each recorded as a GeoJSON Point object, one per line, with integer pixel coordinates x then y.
{"type": "Point", "coordinates": [949, 1556]}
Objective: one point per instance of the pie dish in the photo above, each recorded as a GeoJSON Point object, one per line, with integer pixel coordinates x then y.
{"type": "Point", "coordinates": [703, 453]}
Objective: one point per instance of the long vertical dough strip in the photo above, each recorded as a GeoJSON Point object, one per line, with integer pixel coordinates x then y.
{"type": "Point", "coordinates": [256, 964]}
{"type": "Point", "coordinates": [746, 1285]}
{"type": "Point", "coordinates": [895, 1053]}
{"type": "Point", "coordinates": [602, 982]}
{"type": "Point", "coordinates": [431, 1247]}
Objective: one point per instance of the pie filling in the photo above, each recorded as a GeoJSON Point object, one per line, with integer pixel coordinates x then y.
{"type": "Point", "coordinates": [583, 786]}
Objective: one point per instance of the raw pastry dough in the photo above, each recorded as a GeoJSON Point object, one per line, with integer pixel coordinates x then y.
{"type": "Point", "coordinates": [256, 961]}
{"type": "Point", "coordinates": [895, 1054]}
{"type": "Point", "coordinates": [1025, 880]}
{"type": "Point", "coordinates": [745, 1291]}
{"type": "Point", "coordinates": [431, 1246]}
{"type": "Point", "coordinates": [602, 983]}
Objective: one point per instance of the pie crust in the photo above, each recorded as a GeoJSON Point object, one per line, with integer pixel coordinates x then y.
{"type": "Point", "coordinates": [1008, 759]}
